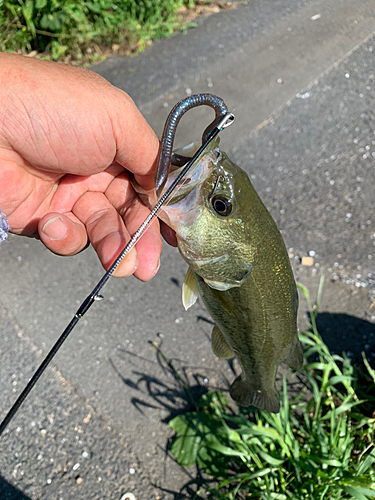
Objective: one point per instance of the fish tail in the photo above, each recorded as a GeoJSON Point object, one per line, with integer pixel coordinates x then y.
{"type": "Point", "coordinates": [246, 393]}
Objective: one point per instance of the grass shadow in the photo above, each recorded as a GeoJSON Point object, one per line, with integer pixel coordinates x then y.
{"type": "Point", "coordinates": [170, 386]}
{"type": "Point", "coordinates": [166, 384]}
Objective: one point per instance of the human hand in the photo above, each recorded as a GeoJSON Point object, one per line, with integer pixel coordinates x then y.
{"type": "Point", "coordinates": [67, 141]}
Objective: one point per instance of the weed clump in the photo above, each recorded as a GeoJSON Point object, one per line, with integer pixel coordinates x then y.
{"type": "Point", "coordinates": [81, 30]}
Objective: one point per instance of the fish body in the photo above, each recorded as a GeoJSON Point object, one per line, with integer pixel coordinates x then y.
{"type": "Point", "coordinates": [239, 266]}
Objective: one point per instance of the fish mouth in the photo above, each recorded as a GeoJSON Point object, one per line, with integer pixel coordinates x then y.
{"type": "Point", "coordinates": [194, 177]}
{"type": "Point", "coordinates": [181, 208]}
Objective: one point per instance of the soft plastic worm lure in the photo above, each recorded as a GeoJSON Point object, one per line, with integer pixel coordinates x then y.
{"type": "Point", "coordinates": [166, 157]}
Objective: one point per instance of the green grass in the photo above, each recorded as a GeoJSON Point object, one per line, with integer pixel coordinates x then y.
{"type": "Point", "coordinates": [320, 445]}
{"type": "Point", "coordinates": [82, 30]}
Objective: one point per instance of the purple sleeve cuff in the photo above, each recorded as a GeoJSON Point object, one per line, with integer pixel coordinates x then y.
{"type": "Point", "coordinates": [4, 227]}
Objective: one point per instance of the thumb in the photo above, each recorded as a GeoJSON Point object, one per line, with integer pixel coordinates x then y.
{"type": "Point", "coordinates": [62, 234]}
{"type": "Point", "coordinates": [136, 142]}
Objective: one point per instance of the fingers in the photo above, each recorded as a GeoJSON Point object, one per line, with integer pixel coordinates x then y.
{"type": "Point", "coordinates": [105, 210]}
{"type": "Point", "coordinates": [149, 247]}
{"type": "Point", "coordinates": [65, 234]}
{"type": "Point", "coordinates": [88, 128]}
{"type": "Point", "coordinates": [106, 231]}
{"type": "Point", "coordinates": [62, 234]}
{"type": "Point", "coordinates": [96, 219]}
{"type": "Point", "coordinates": [133, 212]}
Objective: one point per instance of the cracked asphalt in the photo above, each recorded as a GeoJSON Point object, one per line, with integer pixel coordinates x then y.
{"type": "Point", "coordinates": [300, 78]}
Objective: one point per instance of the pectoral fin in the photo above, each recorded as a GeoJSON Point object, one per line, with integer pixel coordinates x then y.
{"type": "Point", "coordinates": [295, 357]}
{"type": "Point", "coordinates": [190, 291]}
{"type": "Point", "coordinates": [219, 345]}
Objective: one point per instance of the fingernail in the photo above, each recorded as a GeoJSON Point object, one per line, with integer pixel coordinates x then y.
{"type": "Point", "coordinates": [156, 269]}
{"type": "Point", "coordinates": [136, 264]}
{"type": "Point", "coordinates": [55, 228]}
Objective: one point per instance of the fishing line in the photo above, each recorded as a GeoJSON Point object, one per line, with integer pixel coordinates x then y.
{"type": "Point", "coordinates": [225, 121]}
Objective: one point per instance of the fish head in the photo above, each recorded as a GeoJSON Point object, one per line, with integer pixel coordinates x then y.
{"type": "Point", "coordinates": [212, 213]}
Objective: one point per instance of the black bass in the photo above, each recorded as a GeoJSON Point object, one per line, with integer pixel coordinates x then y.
{"type": "Point", "coordinates": [239, 266]}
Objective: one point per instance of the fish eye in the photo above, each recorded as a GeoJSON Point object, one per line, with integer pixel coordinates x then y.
{"type": "Point", "coordinates": [221, 205]}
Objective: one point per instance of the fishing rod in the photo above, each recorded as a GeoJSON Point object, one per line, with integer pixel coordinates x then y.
{"type": "Point", "coordinates": [222, 120]}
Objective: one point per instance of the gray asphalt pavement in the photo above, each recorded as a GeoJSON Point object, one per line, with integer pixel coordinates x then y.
{"type": "Point", "coordinates": [300, 77]}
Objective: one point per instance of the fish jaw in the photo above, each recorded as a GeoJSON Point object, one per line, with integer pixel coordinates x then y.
{"type": "Point", "coordinates": [222, 266]}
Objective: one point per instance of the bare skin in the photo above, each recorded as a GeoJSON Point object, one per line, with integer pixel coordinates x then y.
{"type": "Point", "coordinates": [68, 139]}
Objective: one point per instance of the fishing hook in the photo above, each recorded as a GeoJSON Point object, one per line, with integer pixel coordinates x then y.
{"type": "Point", "coordinates": [222, 120]}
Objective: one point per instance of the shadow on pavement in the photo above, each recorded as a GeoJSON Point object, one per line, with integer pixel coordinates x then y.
{"type": "Point", "coordinates": [344, 333]}
{"type": "Point", "coordinates": [9, 492]}
{"type": "Point", "coordinates": [189, 490]}
{"type": "Point", "coordinates": [170, 385]}
{"type": "Point", "coordinates": [191, 486]}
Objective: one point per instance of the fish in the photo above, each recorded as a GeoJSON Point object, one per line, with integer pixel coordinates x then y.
{"type": "Point", "coordinates": [239, 266]}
